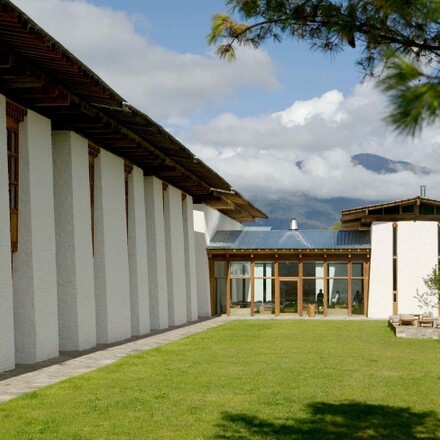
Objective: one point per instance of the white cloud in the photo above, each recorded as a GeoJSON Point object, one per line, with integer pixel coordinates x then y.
{"type": "Point", "coordinates": [166, 85]}
{"type": "Point", "coordinates": [326, 106]}
{"type": "Point", "coordinates": [256, 154]}
{"type": "Point", "coordinates": [263, 150]}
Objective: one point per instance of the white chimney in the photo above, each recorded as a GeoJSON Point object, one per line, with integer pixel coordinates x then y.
{"type": "Point", "coordinates": [293, 224]}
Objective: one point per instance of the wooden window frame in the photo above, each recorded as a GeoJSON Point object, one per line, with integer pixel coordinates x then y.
{"type": "Point", "coordinates": [15, 114]}
{"type": "Point", "coordinates": [128, 169]}
{"type": "Point", "coordinates": [93, 154]}
{"type": "Point", "coordinates": [324, 259]}
{"type": "Point", "coordinates": [395, 270]}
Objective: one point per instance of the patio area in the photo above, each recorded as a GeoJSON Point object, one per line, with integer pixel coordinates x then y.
{"type": "Point", "coordinates": [415, 326]}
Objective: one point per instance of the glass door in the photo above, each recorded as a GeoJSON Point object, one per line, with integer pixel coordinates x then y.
{"type": "Point", "coordinates": [288, 296]}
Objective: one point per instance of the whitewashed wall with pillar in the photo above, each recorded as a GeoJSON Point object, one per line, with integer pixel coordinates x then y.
{"type": "Point", "coordinates": [74, 257]}
{"type": "Point", "coordinates": [156, 253]}
{"type": "Point", "coordinates": [7, 353]}
{"type": "Point", "coordinates": [34, 274]}
{"type": "Point", "coordinates": [112, 289]}
{"type": "Point", "coordinates": [137, 254]}
{"type": "Point", "coordinates": [175, 256]}
{"type": "Point", "coordinates": [207, 222]}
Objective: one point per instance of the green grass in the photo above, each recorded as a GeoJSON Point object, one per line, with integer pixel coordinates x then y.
{"type": "Point", "coordinates": [249, 380]}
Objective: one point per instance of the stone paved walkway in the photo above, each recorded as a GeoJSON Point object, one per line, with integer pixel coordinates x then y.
{"type": "Point", "coordinates": [14, 386]}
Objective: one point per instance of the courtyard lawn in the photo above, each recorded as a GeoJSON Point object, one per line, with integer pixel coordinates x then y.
{"type": "Point", "coordinates": [299, 379]}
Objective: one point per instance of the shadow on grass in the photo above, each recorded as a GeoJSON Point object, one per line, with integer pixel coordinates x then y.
{"type": "Point", "coordinates": [352, 420]}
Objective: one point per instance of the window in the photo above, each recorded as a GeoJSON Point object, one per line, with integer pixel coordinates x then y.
{"type": "Point", "coordinates": [395, 307]}
{"type": "Point", "coordinates": [288, 269]}
{"type": "Point", "coordinates": [93, 154]}
{"type": "Point", "coordinates": [128, 168]}
{"type": "Point", "coordinates": [337, 287]}
{"type": "Point", "coordinates": [264, 286]}
{"type": "Point", "coordinates": [240, 284]}
{"type": "Point", "coordinates": [220, 279]}
{"type": "Point", "coordinates": [313, 285]}
{"type": "Point", "coordinates": [14, 115]}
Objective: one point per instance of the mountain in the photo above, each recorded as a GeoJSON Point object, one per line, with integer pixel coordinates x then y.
{"type": "Point", "coordinates": [382, 165]}
{"type": "Point", "coordinates": [313, 213]}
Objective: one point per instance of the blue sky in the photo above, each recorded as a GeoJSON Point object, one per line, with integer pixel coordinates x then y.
{"type": "Point", "coordinates": [182, 25]}
{"type": "Point", "coordinates": [252, 119]}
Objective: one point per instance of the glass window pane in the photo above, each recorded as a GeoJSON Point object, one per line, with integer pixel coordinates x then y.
{"type": "Point", "coordinates": [220, 268]}
{"type": "Point", "coordinates": [220, 290]}
{"type": "Point", "coordinates": [357, 288]}
{"type": "Point", "coordinates": [9, 139]}
{"type": "Point", "coordinates": [14, 141]}
{"type": "Point", "coordinates": [241, 268]}
{"type": "Point", "coordinates": [337, 270]}
{"type": "Point", "coordinates": [313, 269]}
{"type": "Point", "coordinates": [288, 268]}
{"type": "Point", "coordinates": [357, 270]}
{"type": "Point", "coordinates": [12, 197]}
{"type": "Point", "coordinates": [240, 293]}
{"type": "Point", "coordinates": [264, 291]}
{"type": "Point", "coordinates": [288, 296]}
{"type": "Point", "coordinates": [263, 269]}
{"type": "Point", "coordinates": [309, 291]}
{"type": "Point", "coordinates": [337, 297]}
{"type": "Point", "coordinates": [426, 209]}
{"type": "Point", "coordinates": [408, 209]}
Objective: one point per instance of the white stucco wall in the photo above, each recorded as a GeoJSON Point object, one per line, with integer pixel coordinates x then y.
{"type": "Point", "coordinates": [7, 352]}
{"type": "Point", "coordinates": [212, 221]}
{"type": "Point", "coordinates": [207, 222]}
{"type": "Point", "coordinates": [380, 301]}
{"type": "Point", "coordinates": [34, 273]}
{"type": "Point", "coordinates": [175, 256]}
{"type": "Point", "coordinates": [112, 289]}
{"type": "Point", "coordinates": [416, 256]}
{"type": "Point", "coordinates": [190, 258]}
{"type": "Point", "coordinates": [75, 277]}
{"type": "Point", "coordinates": [137, 254]}
{"type": "Point", "coordinates": [157, 274]}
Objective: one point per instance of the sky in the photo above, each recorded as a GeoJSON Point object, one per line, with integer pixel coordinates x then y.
{"type": "Point", "coordinates": [252, 119]}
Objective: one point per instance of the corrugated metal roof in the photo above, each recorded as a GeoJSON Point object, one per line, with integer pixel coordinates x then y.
{"type": "Point", "coordinates": [291, 240]}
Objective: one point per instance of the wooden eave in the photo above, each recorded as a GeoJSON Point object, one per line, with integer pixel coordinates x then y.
{"type": "Point", "coordinates": [362, 218]}
{"type": "Point", "coordinates": [40, 74]}
{"type": "Point", "coordinates": [299, 252]}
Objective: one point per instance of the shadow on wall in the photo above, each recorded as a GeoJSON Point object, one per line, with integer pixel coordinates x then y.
{"type": "Point", "coordinates": [330, 421]}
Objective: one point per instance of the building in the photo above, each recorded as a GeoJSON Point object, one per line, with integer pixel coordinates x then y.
{"type": "Point", "coordinates": [97, 202]}
{"type": "Point", "coordinates": [374, 266]}
{"type": "Point", "coordinates": [105, 221]}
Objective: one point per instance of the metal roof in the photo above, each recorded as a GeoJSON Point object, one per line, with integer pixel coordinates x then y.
{"type": "Point", "coordinates": [38, 73]}
{"type": "Point", "coordinates": [247, 239]}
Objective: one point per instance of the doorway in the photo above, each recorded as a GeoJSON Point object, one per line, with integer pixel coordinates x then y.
{"type": "Point", "coordinates": [288, 296]}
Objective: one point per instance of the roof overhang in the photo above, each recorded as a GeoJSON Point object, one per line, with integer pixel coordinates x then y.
{"type": "Point", "coordinates": [40, 74]}
{"type": "Point", "coordinates": [413, 209]}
